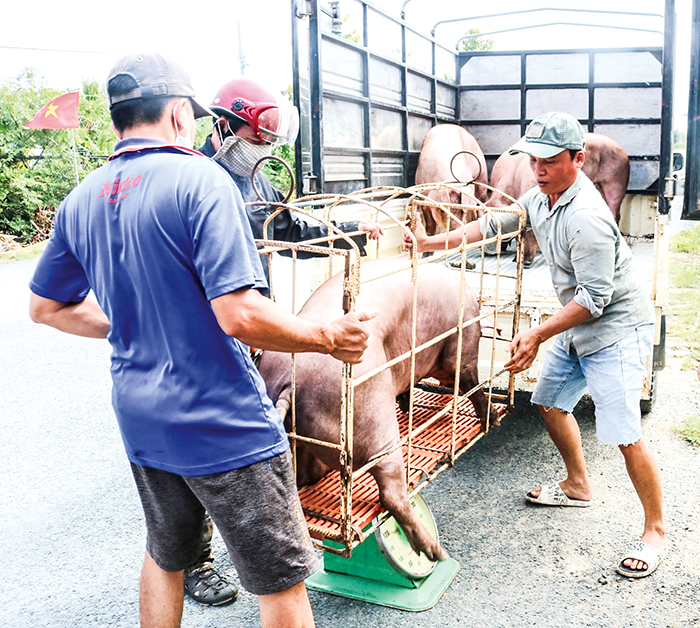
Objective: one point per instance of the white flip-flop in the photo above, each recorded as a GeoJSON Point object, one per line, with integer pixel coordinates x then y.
{"type": "Point", "coordinates": [648, 554]}
{"type": "Point", "coordinates": [552, 495]}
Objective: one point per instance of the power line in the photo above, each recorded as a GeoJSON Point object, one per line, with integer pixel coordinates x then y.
{"type": "Point", "coordinates": [84, 52]}
{"type": "Point", "coordinates": [97, 52]}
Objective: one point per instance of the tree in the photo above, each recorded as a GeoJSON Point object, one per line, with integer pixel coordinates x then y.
{"type": "Point", "coordinates": [37, 166]}
{"type": "Point", "coordinates": [476, 43]}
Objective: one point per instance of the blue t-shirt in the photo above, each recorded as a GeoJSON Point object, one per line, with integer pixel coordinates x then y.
{"type": "Point", "coordinates": [157, 233]}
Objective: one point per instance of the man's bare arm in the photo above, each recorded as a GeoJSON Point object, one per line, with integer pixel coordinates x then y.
{"type": "Point", "coordinates": [424, 242]}
{"type": "Point", "coordinates": [259, 322]}
{"type": "Point", "coordinates": [525, 344]}
{"type": "Point", "coordinates": [81, 319]}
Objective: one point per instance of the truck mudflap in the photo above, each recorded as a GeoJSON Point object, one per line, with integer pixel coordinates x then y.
{"type": "Point", "coordinates": [660, 347]}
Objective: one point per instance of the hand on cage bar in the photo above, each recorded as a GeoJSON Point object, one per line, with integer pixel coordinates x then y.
{"type": "Point", "coordinates": [419, 233]}
{"type": "Point", "coordinates": [523, 350]}
{"type": "Point", "coordinates": [349, 336]}
{"type": "Point", "coordinates": [371, 228]}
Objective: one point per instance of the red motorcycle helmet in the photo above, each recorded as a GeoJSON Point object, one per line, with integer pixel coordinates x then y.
{"type": "Point", "coordinates": [271, 117]}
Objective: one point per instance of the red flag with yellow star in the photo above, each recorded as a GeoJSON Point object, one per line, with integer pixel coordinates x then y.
{"type": "Point", "coordinates": [59, 113]}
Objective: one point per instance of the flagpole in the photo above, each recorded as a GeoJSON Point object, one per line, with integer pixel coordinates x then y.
{"type": "Point", "coordinates": [75, 158]}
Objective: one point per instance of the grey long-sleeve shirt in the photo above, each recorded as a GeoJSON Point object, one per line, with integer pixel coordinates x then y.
{"type": "Point", "coordinates": [589, 261]}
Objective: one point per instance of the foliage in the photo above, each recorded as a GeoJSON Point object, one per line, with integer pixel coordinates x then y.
{"type": "Point", "coordinates": [679, 140]}
{"type": "Point", "coordinates": [204, 128]}
{"type": "Point", "coordinates": [690, 430]}
{"type": "Point", "coordinates": [37, 166]}
{"type": "Point", "coordinates": [276, 172]}
{"type": "Point", "coordinates": [684, 275]}
{"type": "Point", "coordinates": [687, 241]}
{"type": "Point", "coordinates": [476, 43]}
{"type": "Point", "coordinates": [42, 221]}
{"type": "Point", "coordinates": [353, 35]}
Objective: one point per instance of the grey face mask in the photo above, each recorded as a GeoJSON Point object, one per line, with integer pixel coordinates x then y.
{"type": "Point", "coordinates": [239, 156]}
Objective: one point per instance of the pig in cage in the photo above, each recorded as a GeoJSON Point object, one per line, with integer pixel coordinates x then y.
{"type": "Point", "coordinates": [367, 437]}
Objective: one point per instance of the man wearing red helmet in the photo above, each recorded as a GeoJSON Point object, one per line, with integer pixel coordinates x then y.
{"type": "Point", "coordinates": [251, 120]}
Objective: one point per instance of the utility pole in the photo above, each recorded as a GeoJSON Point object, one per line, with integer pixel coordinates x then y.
{"type": "Point", "coordinates": [241, 57]}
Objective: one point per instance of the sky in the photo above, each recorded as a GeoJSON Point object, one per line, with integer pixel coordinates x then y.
{"type": "Point", "coordinates": [88, 37]}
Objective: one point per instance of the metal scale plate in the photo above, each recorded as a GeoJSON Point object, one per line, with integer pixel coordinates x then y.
{"type": "Point", "coordinates": [385, 570]}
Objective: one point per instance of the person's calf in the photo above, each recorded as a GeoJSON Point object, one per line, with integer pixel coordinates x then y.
{"type": "Point", "coordinates": [160, 596]}
{"type": "Point", "coordinates": [286, 609]}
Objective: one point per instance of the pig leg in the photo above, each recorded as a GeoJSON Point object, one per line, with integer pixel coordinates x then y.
{"type": "Point", "coordinates": [467, 381]}
{"type": "Point", "coordinates": [376, 411]}
{"type": "Point", "coordinates": [429, 221]}
{"type": "Point", "coordinates": [310, 469]}
{"type": "Point", "coordinates": [614, 193]}
{"type": "Point", "coordinates": [469, 371]}
{"type": "Point", "coordinates": [391, 479]}
{"type": "Point", "coordinates": [404, 401]}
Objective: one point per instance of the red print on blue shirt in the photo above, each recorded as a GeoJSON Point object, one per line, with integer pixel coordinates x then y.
{"type": "Point", "coordinates": [118, 189]}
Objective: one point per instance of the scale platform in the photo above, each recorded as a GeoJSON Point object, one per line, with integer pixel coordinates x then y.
{"type": "Point", "coordinates": [389, 588]}
{"type": "Point", "coordinates": [383, 569]}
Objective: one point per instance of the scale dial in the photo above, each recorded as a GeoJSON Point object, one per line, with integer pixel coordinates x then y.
{"type": "Point", "coordinates": [395, 546]}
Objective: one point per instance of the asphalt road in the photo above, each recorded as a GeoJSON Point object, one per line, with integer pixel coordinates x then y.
{"type": "Point", "coordinates": [72, 534]}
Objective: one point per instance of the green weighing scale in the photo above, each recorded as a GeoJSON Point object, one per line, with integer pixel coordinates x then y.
{"type": "Point", "coordinates": [385, 570]}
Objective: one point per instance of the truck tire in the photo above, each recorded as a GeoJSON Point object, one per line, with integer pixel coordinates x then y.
{"type": "Point", "coordinates": [646, 405]}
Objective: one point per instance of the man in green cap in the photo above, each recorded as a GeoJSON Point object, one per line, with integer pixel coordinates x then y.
{"type": "Point", "coordinates": [604, 332]}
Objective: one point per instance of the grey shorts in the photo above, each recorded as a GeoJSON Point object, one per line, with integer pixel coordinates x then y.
{"type": "Point", "coordinates": [256, 509]}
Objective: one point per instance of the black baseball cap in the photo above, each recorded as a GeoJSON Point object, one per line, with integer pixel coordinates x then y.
{"type": "Point", "coordinates": [155, 75]}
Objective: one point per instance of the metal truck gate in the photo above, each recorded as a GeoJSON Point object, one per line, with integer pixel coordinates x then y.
{"type": "Point", "coordinates": [691, 201]}
{"type": "Point", "coordinates": [614, 92]}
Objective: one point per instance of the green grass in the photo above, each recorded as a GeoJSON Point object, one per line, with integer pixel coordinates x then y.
{"type": "Point", "coordinates": [684, 298]}
{"type": "Point", "coordinates": [683, 321]}
{"type": "Point", "coordinates": [687, 241]}
{"type": "Point", "coordinates": [26, 252]}
{"type": "Point", "coordinates": [685, 274]}
{"type": "Point", "coordinates": [690, 430]}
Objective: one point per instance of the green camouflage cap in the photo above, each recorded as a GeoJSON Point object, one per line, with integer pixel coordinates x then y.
{"type": "Point", "coordinates": [549, 134]}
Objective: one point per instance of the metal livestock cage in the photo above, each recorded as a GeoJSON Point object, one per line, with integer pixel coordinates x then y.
{"type": "Point", "coordinates": [343, 508]}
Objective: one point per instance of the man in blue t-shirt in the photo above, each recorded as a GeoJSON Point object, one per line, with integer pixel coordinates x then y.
{"type": "Point", "coordinates": [159, 234]}
{"type": "Point", "coordinates": [251, 120]}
